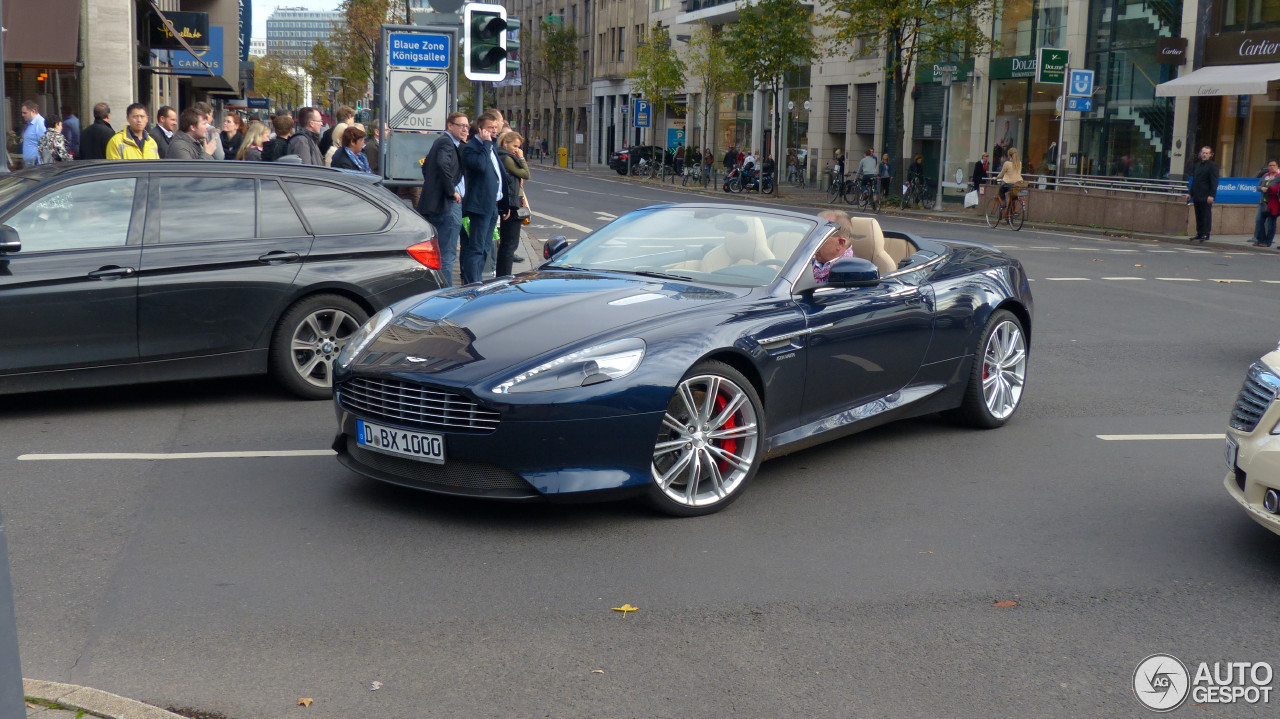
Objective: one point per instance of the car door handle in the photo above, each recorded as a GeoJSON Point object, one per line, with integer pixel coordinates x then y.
{"type": "Point", "coordinates": [278, 257]}
{"type": "Point", "coordinates": [111, 272]}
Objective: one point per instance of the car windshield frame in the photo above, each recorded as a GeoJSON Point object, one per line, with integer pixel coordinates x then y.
{"type": "Point", "coordinates": [713, 245]}
{"type": "Point", "coordinates": [13, 186]}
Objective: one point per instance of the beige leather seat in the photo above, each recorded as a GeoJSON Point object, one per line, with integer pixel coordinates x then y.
{"type": "Point", "coordinates": [868, 243]}
{"type": "Point", "coordinates": [784, 244]}
{"type": "Point", "coordinates": [744, 244]}
{"type": "Point", "coordinates": [899, 249]}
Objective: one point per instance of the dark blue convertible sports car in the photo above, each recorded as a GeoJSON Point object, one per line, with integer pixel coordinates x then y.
{"type": "Point", "coordinates": [670, 352]}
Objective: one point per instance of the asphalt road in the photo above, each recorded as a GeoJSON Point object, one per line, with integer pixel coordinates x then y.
{"type": "Point", "coordinates": [854, 579]}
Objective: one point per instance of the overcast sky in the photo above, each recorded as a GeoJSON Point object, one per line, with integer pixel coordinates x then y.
{"type": "Point", "coordinates": [263, 8]}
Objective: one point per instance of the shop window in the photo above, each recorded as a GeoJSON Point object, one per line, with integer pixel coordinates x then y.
{"type": "Point", "coordinates": [1238, 15]}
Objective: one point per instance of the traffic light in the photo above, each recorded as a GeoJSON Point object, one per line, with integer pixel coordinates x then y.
{"type": "Point", "coordinates": [513, 48]}
{"type": "Point", "coordinates": [485, 42]}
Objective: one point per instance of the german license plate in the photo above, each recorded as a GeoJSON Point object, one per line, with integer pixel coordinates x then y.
{"type": "Point", "coordinates": [1231, 453]}
{"type": "Point", "coordinates": [389, 440]}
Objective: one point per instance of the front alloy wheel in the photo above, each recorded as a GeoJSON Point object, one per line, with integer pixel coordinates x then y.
{"type": "Point", "coordinates": [709, 445]}
{"type": "Point", "coordinates": [999, 374]}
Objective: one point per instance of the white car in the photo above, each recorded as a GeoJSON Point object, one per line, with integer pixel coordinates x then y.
{"type": "Point", "coordinates": [1253, 444]}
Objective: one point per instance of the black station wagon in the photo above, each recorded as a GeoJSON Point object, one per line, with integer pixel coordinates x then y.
{"type": "Point", "coordinates": [123, 272]}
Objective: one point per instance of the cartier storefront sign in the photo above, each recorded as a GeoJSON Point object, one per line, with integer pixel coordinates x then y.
{"type": "Point", "coordinates": [1171, 50]}
{"type": "Point", "coordinates": [1242, 48]}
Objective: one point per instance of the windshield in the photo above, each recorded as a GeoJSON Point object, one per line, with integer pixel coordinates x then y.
{"type": "Point", "coordinates": [717, 245]}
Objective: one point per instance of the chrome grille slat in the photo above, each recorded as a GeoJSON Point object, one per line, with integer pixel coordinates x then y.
{"type": "Point", "coordinates": [415, 405]}
{"type": "Point", "coordinates": [1256, 395]}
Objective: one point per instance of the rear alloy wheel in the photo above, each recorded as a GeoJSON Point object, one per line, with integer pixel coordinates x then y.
{"type": "Point", "coordinates": [307, 341]}
{"type": "Point", "coordinates": [998, 376]}
{"type": "Point", "coordinates": [710, 443]}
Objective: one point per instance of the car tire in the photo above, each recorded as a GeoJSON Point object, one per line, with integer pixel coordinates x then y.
{"type": "Point", "coordinates": [307, 340]}
{"type": "Point", "coordinates": [998, 375]}
{"type": "Point", "coordinates": [710, 444]}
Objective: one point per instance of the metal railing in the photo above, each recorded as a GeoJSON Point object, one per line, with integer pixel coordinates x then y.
{"type": "Point", "coordinates": [1102, 183]}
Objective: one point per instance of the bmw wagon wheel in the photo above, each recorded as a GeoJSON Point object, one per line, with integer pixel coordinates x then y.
{"type": "Point", "coordinates": [710, 443]}
{"type": "Point", "coordinates": [999, 374]}
{"type": "Point", "coordinates": [307, 342]}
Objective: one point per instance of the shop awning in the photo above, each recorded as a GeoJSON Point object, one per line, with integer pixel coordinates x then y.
{"type": "Point", "coordinates": [1222, 80]}
{"type": "Point", "coordinates": [42, 33]}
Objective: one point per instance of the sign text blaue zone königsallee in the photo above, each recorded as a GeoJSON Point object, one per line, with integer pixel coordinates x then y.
{"type": "Point", "coordinates": [418, 50]}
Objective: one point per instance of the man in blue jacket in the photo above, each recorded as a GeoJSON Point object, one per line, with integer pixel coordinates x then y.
{"type": "Point", "coordinates": [483, 177]}
{"type": "Point", "coordinates": [443, 188]}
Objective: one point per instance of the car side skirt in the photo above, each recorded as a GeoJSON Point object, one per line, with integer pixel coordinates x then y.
{"type": "Point", "coordinates": [231, 364]}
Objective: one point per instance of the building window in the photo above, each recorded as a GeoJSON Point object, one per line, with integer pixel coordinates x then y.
{"type": "Point", "coordinates": [661, 5]}
{"type": "Point", "coordinates": [1238, 15]}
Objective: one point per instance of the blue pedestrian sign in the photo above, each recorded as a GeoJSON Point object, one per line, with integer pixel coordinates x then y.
{"type": "Point", "coordinates": [1080, 83]}
{"type": "Point", "coordinates": [1080, 104]}
{"type": "Point", "coordinates": [641, 113]}
{"type": "Point", "coordinates": [418, 50]}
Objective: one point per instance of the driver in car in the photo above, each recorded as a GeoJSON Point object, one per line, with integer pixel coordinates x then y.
{"type": "Point", "coordinates": [834, 247]}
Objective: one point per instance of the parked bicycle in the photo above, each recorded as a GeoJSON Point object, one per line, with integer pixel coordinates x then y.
{"type": "Point", "coordinates": [692, 175]}
{"type": "Point", "coordinates": [795, 176]}
{"type": "Point", "coordinates": [1013, 212]}
{"type": "Point", "coordinates": [868, 199]}
{"type": "Point", "coordinates": [917, 194]}
{"type": "Point", "coordinates": [841, 188]}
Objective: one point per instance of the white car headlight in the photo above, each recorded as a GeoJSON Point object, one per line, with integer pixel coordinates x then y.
{"type": "Point", "coordinates": [601, 363]}
{"type": "Point", "coordinates": [365, 335]}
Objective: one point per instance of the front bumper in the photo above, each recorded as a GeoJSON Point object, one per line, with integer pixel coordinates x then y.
{"type": "Point", "coordinates": [564, 460]}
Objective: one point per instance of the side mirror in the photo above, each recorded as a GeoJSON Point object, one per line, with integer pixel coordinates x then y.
{"type": "Point", "coordinates": [554, 246]}
{"type": "Point", "coordinates": [9, 241]}
{"type": "Point", "coordinates": [853, 272]}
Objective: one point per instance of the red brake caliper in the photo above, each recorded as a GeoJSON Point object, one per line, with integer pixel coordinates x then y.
{"type": "Point", "coordinates": [728, 445]}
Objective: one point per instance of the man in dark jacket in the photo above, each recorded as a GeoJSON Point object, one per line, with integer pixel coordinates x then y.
{"type": "Point", "coordinates": [94, 139]}
{"type": "Point", "coordinates": [162, 131]}
{"type": "Point", "coordinates": [1202, 188]}
{"type": "Point", "coordinates": [981, 169]}
{"type": "Point", "coordinates": [278, 146]}
{"type": "Point", "coordinates": [306, 137]}
{"type": "Point", "coordinates": [443, 188]}
{"type": "Point", "coordinates": [188, 141]}
{"type": "Point", "coordinates": [483, 177]}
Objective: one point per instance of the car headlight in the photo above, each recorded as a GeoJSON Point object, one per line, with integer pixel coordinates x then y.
{"type": "Point", "coordinates": [601, 363]}
{"type": "Point", "coordinates": [363, 336]}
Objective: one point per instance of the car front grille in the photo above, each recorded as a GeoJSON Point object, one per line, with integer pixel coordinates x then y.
{"type": "Point", "coordinates": [1257, 394]}
{"type": "Point", "coordinates": [411, 404]}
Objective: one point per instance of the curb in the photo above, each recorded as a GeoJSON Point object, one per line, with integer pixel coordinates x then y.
{"type": "Point", "coordinates": [1102, 233]}
{"type": "Point", "coordinates": [93, 701]}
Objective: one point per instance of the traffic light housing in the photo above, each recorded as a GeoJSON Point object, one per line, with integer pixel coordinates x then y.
{"type": "Point", "coordinates": [484, 42]}
{"type": "Point", "coordinates": [513, 48]}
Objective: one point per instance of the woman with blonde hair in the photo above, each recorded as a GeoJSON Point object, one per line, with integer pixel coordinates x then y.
{"type": "Point", "coordinates": [515, 171]}
{"type": "Point", "coordinates": [1010, 176]}
{"type": "Point", "coordinates": [251, 146]}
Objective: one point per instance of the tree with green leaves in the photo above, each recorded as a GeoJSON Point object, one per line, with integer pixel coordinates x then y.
{"type": "Point", "coordinates": [908, 32]}
{"type": "Point", "coordinates": [771, 39]}
{"type": "Point", "coordinates": [711, 73]}
{"type": "Point", "coordinates": [272, 79]}
{"type": "Point", "coordinates": [558, 57]}
{"type": "Point", "coordinates": [658, 74]}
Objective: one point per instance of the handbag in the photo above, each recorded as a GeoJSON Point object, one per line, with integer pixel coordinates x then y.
{"type": "Point", "coordinates": [523, 212]}
{"type": "Point", "coordinates": [971, 199]}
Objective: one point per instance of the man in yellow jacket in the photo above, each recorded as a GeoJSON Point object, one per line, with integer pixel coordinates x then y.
{"type": "Point", "coordinates": [134, 142]}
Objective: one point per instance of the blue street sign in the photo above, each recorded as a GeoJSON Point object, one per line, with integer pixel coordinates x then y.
{"type": "Point", "coordinates": [641, 113]}
{"type": "Point", "coordinates": [184, 63]}
{"type": "Point", "coordinates": [1080, 104]}
{"type": "Point", "coordinates": [413, 49]}
{"type": "Point", "coordinates": [1080, 83]}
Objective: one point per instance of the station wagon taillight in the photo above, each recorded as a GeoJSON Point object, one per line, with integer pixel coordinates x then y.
{"type": "Point", "coordinates": [428, 253]}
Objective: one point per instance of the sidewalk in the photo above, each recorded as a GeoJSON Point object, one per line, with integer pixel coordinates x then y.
{"type": "Point", "coordinates": [52, 700]}
{"type": "Point", "coordinates": [812, 196]}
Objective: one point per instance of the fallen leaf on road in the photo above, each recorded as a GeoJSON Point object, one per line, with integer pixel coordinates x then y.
{"type": "Point", "coordinates": [305, 702]}
{"type": "Point", "coordinates": [626, 608]}
{"type": "Point", "coordinates": [597, 671]}
{"type": "Point", "coordinates": [1137, 265]}
{"type": "Point", "coordinates": [1005, 603]}
{"type": "Point", "coordinates": [924, 552]}
{"type": "Point", "coordinates": [375, 686]}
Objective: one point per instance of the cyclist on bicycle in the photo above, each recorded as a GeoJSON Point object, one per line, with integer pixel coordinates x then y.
{"type": "Point", "coordinates": [838, 170]}
{"type": "Point", "coordinates": [869, 170]}
{"type": "Point", "coordinates": [1010, 175]}
{"type": "Point", "coordinates": [915, 171]}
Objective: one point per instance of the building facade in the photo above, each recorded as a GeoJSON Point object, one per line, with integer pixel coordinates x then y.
{"type": "Point", "coordinates": [292, 31]}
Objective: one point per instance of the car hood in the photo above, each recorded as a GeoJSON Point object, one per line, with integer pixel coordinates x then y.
{"type": "Point", "coordinates": [469, 333]}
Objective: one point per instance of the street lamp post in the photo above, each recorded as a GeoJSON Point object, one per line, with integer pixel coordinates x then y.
{"type": "Point", "coordinates": [947, 73]}
{"type": "Point", "coordinates": [335, 84]}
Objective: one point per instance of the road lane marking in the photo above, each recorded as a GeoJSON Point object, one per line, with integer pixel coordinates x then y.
{"type": "Point", "coordinates": [559, 221]}
{"type": "Point", "coordinates": [606, 215]}
{"type": "Point", "coordinates": [1147, 437]}
{"type": "Point", "coordinates": [1067, 279]}
{"type": "Point", "coordinates": [1271, 282]}
{"type": "Point", "coordinates": [1112, 249]}
{"type": "Point", "coordinates": [1211, 279]}
{"type": "Point", "coordinates": [1178, 279]}
{"type": "Point", "coordinates": [558, 192]}
{"type": "Point", "coordinates": [180, 455]}
{"type": "Point", "coordinates": [1124, 278]}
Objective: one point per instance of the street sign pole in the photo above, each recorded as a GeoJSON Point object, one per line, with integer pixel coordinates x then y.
{"type": "Point", "coordinates": [1062, 126]}
{"type": "Point", "coordinates": [12, 702]}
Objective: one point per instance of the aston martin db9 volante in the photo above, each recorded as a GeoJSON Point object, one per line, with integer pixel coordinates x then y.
{"type": "Point", "coordinates": [123, 272]}
{"type": "Point", "coordinates": [670, 352]}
